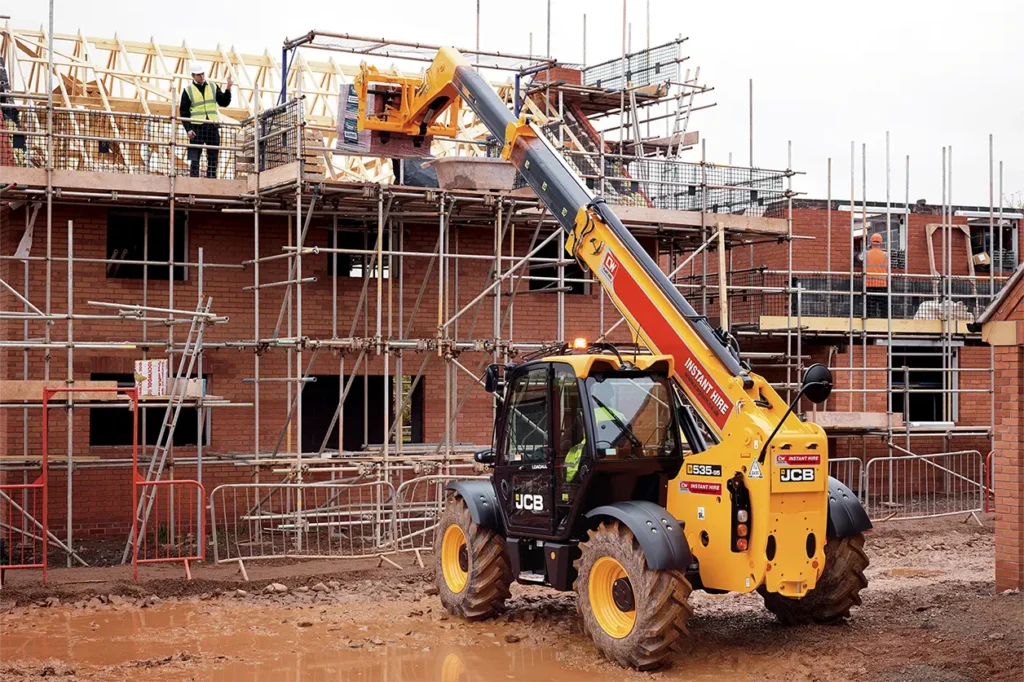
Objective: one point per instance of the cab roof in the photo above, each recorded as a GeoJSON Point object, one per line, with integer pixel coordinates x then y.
{"type": "Point", "coordinates": [584, 364]}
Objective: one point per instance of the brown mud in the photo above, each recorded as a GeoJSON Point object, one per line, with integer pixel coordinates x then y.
{"type": "Point", "coordinates": [930, 613]}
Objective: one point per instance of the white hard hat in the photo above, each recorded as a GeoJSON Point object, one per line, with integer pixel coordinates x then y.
{"type": "Point", "coordinates": [197, 68]}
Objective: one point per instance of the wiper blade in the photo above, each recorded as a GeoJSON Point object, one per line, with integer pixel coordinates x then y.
{"type": "Point", "coordinates": [623, 427]}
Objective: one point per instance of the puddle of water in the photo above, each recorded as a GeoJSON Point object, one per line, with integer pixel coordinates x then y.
{"type": "Point", "coordinates": [226, 642]}
{"type": "Point", "coordinates": [445, 664]}
{"type": "Point", "coordinates": [258, 646]}
{"type": "Point", "coordinates": [914, 572]}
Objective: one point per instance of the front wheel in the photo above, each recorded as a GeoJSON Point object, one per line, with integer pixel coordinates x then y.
{"type": "Point", "coordinates": [837, 590]}
{"type": "Point", "coordinates": [473, 572]}
{"type": "Point", "coordinates": [635, 615]}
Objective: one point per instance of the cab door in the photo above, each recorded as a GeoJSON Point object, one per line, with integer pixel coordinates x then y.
{"type": "Point", "coordinates": [523, 473]}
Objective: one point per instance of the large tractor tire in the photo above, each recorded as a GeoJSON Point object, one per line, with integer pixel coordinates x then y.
{"type": "Point", "coordinates": [837, 590]}
{"type": "Point", "coordinates": [473, 572]}
{"type": "Point", "coordinates": [635, 615]}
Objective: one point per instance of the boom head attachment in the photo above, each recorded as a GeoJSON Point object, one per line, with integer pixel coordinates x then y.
{"type": "Point", "coordinates": [415, 106]}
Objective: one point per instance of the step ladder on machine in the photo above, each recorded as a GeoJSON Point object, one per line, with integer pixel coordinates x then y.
{"type": "Point", "coordinates": [165, 438]}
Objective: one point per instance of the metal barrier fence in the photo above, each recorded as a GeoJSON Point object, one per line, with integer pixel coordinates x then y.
{"type": "Point", "coordinates": [326, 519]}
{"type": "Point", "coordinates": [302, 520]}
{"type": "Point", "coordinates": [113, 142]}
{"type": "Point", "coordinates": [849, 471]}
{"type": "Point", "coordinates": [990, 481]}
{"type": "Point", "coordinates": [918, 486]}
{"type": "Point", "coordinates": [278, 137]}
{"type": "Point", "coordinates": [759, 292]}
{"type": "Point", "coordinates": [419, 504]}
{"type": "Point", "coordinates": [175, 529]}
{"type": "Point", "coordinates": [679, 185]}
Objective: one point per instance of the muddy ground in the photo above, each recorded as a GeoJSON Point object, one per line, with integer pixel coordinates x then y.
{"type": "Point", "coordinates": [929, 614]}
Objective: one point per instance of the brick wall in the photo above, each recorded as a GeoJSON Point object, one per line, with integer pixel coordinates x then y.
{"type": "Point", "coordinates": [1009, 468]}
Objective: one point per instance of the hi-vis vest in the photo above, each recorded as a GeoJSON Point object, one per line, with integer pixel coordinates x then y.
{"type": "Point", "coordinates": [203, 105]}
{"type": "Point", "coordinates": [572, 459]}
{"type": "Point", "coordinates": [875, 266]}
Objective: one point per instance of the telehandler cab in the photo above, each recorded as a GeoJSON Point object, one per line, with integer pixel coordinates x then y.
{"type": "Point", "coordinates": [630, 478]}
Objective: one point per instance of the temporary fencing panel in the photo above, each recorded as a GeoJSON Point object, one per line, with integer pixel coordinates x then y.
{"type": "Point", "coordinates": [175, 528]}
{"type": "Point", "coordinates": [990, 482]}
{"type": "Point", "coordinates": [302, 520]}
{"type": "Point", "coordinates": [917, 486]}
{"type": "Point", "coordinates": [848, 471]}
{"type": "Point", "coordinates": [420, 502]}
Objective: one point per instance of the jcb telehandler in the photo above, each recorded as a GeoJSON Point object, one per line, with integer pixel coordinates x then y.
{"type": "Point", "coordinates": [631, 477]}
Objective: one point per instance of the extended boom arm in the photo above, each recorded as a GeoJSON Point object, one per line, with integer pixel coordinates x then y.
{"type": "Point", "coordinates": [706, 367]}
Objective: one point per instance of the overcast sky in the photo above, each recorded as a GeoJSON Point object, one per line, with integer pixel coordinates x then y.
{"type": "Point", "coordinates": [931, 73]}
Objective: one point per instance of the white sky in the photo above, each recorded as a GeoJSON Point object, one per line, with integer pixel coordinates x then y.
{"type": "Point", "coordinates": [931, 73]}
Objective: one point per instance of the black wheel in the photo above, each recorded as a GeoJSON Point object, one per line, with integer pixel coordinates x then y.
{"type": "Point", "coordinates": [635, 615]}
{"type": "Point", "coordinates": [837, 590]}
{"type": "Point", "coordinates": [473, 572]}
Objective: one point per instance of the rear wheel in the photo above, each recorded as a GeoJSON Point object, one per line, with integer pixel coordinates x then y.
{"type": "Point", "coordinates": [473, 572]}
{"type": "Point", "coordinates": [837, 590]}
{"type": "Point", "coordinates": [635, 615]}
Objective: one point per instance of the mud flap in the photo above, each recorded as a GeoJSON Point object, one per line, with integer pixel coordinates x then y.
{"type": "Point", "coordinates": [659, 534]}
{"type": "Point", "coordinates": [846, 516]}
{"type": "Point", "coordinates": [482, 503]}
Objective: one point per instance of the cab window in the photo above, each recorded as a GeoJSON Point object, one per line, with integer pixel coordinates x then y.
{"type": "Point", "coordinates": [634, 416]}
{"type": "Point", "coordinates": [526, 431]}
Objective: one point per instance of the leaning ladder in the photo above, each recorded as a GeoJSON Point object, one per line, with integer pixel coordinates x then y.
{"type": "Point", "coordinates": [684, 106]}
{"type": "Point", "coordinates": [164, 440]}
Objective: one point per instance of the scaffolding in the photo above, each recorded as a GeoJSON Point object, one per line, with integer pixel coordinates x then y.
{"type": "Point", "coordinates": [446, 309]}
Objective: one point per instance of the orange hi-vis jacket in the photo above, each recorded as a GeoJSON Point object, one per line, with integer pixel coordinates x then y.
{"type": "Point", "coordinates": [875, 266]}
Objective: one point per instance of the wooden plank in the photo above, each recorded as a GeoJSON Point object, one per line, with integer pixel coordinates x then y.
{"type": "Point", "coordinates": [210, 187]}
{"type": "Point", "coordinates": [652, 217]}
{"type": "Point", "coordinates": [873, 325]}
{"type": "Point", "coordinates": [51, 458]}
{"type": "Point", "coordinates": [644, 215]}
{"type": "Point", "coordinates": [1003, 333]}
{"type": "Point", "coordinates": [112, 182]}
{"type": "Point", "coordinates": [12, 390]}
{"type": "Point", "coordinates": [273, 177]}
{"type": "Point", "coordinates": [854, 421]}
{"type": "Point", "coordinates": [127, 182]}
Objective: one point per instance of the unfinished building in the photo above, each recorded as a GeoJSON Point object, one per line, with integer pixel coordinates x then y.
{"type": "Point", "coordinates": [324, 311]}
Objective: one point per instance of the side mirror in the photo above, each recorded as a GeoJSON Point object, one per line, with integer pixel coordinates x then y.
{"type": "Point", "coordinates": [485, 456]}
{"type": "Point", "coordinates": [817, 383]}
{"type": "Point", "coordinates": [491, 378]}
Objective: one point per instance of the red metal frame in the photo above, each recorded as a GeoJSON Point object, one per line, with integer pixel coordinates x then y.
{"type": "Point", "coordinates": [201, 540]}
{"type": "Point", "coordinates": [44, 478]}
{"type": "Point", "coordinates": [39, 484]}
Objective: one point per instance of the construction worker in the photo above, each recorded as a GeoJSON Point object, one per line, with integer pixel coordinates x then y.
{"type": "Point", "coordinates": [876, 277]}
{"type": "Point", "coordinates": [603, 416]}
{"type": "Point", "coordinates": [198, 110]}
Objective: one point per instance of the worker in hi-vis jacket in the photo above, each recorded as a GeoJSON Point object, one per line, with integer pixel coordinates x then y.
{"type": "Point", "coordinates": [198, 110]}
{"type": "Point", "coordinates": [876, 265]}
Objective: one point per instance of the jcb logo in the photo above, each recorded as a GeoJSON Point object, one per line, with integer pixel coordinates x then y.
{"type": "Point", "coordinates": [796, 475]}
{"type": "Point", "coordinates": [533, 503]}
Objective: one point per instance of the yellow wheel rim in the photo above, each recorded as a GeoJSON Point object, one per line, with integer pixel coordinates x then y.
{"type": "Point", "coordinates": [613, 620]}
{"type": "Point", "coordinates": [452, 545]}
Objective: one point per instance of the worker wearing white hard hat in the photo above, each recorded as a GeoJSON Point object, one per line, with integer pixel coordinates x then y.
{"type": "Point", "coordinates": [198, 110]}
